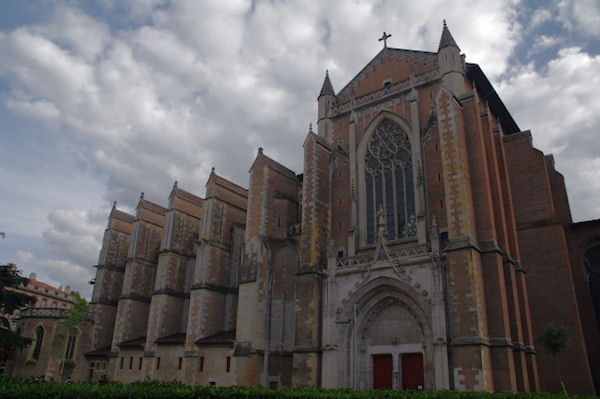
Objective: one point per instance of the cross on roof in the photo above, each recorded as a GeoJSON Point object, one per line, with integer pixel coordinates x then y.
{"type": "Point", "coordinates": [384, 38]}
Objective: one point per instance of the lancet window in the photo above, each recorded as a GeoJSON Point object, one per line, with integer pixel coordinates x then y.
{"type": "Point", "coordinates": [389, 182]}
{"type": "Point", "coordinates": [39, 336]}
{"type": "Point", "coordinates": [591, 259]}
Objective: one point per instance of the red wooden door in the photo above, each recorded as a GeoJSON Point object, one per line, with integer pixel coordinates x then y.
{"type": "Point", "coordinates": [412, 371]}
{"type": "Point", "coordinates": [383, 367]}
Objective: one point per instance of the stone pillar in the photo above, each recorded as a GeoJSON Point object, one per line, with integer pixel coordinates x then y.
{"type": "Point", "coordinates": [109, 277]}
{"type": "Point", "coordinates": [471, 368]}
{"type": "Point", "coordinates": [313, 256]}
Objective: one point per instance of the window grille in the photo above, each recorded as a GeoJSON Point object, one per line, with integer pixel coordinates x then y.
{"type": "Point", "coordinates": [389, 182]}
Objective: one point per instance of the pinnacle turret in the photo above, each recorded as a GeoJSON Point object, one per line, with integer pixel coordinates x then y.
{"type": "Point", "coordinates": [447, 40]}
{"type": "Point", "coordinates": [327, 89]}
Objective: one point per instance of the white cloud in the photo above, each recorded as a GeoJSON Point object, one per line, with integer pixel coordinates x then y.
{"type": "Point", "coordinates": [56, 272]}
{"type": "Point", "coordinates": [538, 17]}
{"type": "Point", "coordinates": [544, 42]}
{"type": "Point", "coordinates": [581, 16]}
{"type": "Point", "coordinates": [75, 235]}
{"type": "Point", "coordinates": [563, 111]}
{"type": "Point", "coordinates": [190, 85]}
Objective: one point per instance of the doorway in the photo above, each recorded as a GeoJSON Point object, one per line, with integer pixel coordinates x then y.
{"type": "Point", "coordinates": [413, 376]}
{"type": "Point", "coordinates": [383, 367]}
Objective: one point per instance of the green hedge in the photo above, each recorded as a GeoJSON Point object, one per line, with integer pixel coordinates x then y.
{"type": "Point", "coordinates": [20, 388]}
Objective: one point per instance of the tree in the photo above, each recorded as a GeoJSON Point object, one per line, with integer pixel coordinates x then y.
{"type": "Point", "coordinates": [67, 327]}
{"type": "Point", "coordinates": [555, 339]}
{"type": "Point", "coordinates": [10, 301]}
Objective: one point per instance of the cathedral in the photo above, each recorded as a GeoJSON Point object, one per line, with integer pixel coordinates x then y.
{"type": "Point", "coordinates": [425, 245]}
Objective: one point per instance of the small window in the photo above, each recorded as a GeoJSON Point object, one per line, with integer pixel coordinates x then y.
{"type": "Point", "coordinates": [387, 86]}
{"type": "Point", "coordinates": [39, 336]}
{"type": "Point", "coordinates": [71, 341]}
{"type": "Point", "coordinates": [158, 363]}
{"type": "Point", "coordinates": [179, 363]}
{"type": "Point", "coordinates": [140, 365]}
{"type": "Point", "coordinates": [130, 362]}
{"type": "Point", "coordinates": [201, 366]}
{"type": "Point", "coordinates": [54, 304]}
{"type": "Point", "coordinates": [340, 254]}
{"type": "Point", "coordinates": [44, 303]}
{"type": "Point", "coordinates": [122, 360]}
{"type": "Point", "coordinates": [92, 365]}
{"type": "Point", "coordinates": [213, 383]}
{"type": "Point", "coordinates": [228, 367]}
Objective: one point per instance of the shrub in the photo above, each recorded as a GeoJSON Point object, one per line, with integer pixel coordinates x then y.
{"type": "Point", "coordinates": [21, 388]}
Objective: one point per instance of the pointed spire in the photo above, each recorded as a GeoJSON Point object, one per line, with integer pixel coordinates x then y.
{"type": "Point", "coordinates": [327, 89]}
{"type": "Point", "coordinates": [447, 39]}
{"type": "Point", "coordinates": [175, 185]}
{"type": "Point", "coordinates": [142, 196]}
{"type": "Point", "coordinates": [310, 128]}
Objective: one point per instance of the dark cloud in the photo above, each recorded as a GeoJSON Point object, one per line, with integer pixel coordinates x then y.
{"type": "Point", "coordinates": [166, 90]}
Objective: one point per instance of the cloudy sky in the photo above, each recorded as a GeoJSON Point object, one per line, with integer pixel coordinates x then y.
{"type": "Point", "coordinates": [102, 100]}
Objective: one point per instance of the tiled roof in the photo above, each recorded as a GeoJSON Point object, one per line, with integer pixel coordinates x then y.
{"type": "Point", "coordinates": [99, 352]}
{"type": "Point", "coordinates": [220, 338]}
{"type": "Point", "coordinates": [43, 285]}
{"type": "Point", "coordinates": [133, 343]}
{"type": "Point", "coordinates": [172, 339]}
{"type": "Point", "coordinates": [194, 199]}
{"type": "Point", "coordinates": [276, 165]}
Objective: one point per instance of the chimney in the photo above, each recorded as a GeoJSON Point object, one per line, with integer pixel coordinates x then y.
{"type": "Point", "coordinates": [32, 276]}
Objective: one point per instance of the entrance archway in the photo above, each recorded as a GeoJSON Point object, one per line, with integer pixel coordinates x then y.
{"type": "Point", "coordinates": [391, 321]}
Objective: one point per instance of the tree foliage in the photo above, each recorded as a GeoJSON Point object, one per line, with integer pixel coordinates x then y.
{"type": "Point", "coordinates": [555, 339]}
{"type": "Point", "coordinates": [10, 301]}
{"type": "Point", "coordinates": [74, 316]}
{"type": "Point", "coordinates": [67, 326]}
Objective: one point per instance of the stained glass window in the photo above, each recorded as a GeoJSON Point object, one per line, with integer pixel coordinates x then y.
{"type": "Point", "coordinates": [389, 182]}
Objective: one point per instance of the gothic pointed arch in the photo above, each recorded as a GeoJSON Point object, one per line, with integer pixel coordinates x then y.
{"type": "Point", "coordinates": [591, 259]}
{"type": "Point", "coordinates": [385, 315]}
{"type": "Point", "coordinates": [71, 344]}
{"type": "Point", "coordinates": [386, 178]}
{"type": "Point", "coordinates": [39, 338]}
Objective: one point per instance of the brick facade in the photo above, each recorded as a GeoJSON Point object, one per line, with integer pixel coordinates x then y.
{"type": "Point", "coordinates": [455, 248]}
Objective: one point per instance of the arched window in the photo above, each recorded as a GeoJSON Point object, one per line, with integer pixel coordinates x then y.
{"type": "Point", "coordinates": [39, 337]}
{"type": "Point", "coordinates": [389, 182]}
{"type": "Point", "coordinates": [71, 341]}
{"type": "Point", "coordinates": [591, 258]}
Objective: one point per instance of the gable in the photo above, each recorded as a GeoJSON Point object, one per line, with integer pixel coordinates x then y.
{"type": "Point", "coordinates": [389, 63]}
